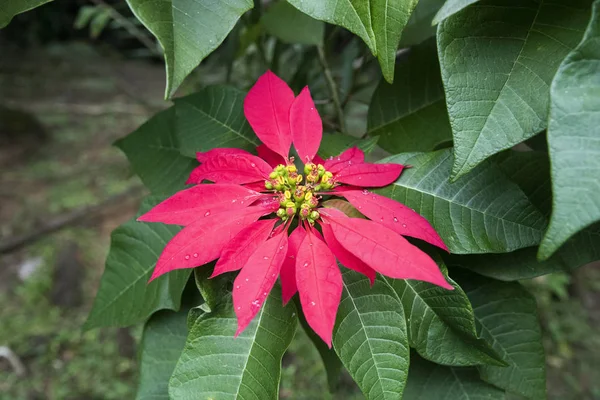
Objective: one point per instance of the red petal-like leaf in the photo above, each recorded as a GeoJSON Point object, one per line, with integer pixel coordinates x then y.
{"type": "Point", "coordinates": [267, 108]}
{"type": "Point", "coordinates": [272, 158]}
{"type": "Point", "coordinates": [318, 160]}
{"type": "Point", "coordinates": [231, 168]}
{"type": "Point", "coordinates": [256, 279]}
{"type": "Point", "coordinates": [383, 249]}
{"type": "Point", "coordinates": [203, 156]}
{"type": "Point", "coordinates": [319, 284]}
{"type": "Point", "coordinates": [203, 240]}
{"type": "Point", "coordinates": [198, 202]}
{"type": "Point", "coordinates": [306, 126]}
{"type": "Point", "coordinates": [256, 186]}
{"type": "Point", "coordinates": [394, 215]}
{"type": "Point", "coordinates": [237, 252]}
{"type": "Point", "coordinates": [369, 175]}
{"type": "Point", "coordinates": [288, 269]}
{"type": "Point", "coordinates": [353, 155]}
{"type": "Point", "coordinates": [347, 259]}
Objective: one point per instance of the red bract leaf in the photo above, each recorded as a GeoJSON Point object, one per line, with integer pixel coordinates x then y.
{"type": "Point", "coordinates": [347, 259]}
{"type": "Point", "coordinates": [369, 175]}
{"type": "Point", "coordinates": [394, 215]}
{"type": "Point", "coordinates": [232, 168]}
{"type": "Point", "coordinates": [318, 160]}
{"type": "Point", "coordinates": [383, 249]}
{"type": "Point", "coordinates": [198, 202]}
{"type": "Point", "coordinates": [203, 156]}
{"type": "Point", "coordinates": [272, 158]}
{"type": "Point", "coordinates": [319, 284]}
{"type": "Point", "coordinates": [353, 155]}
{"type": "Point", "coordinates": [256, 279]}
{"type": "Point", "coordinates": [236, 253]}
{"type": "Point", "coordinates": [306, 126]}
{"type": "Point", "coordinates": [256, 186]}
{"type": "Point", "coordinates": [268, 202]}
{"type": "Point", "coordinates": [203, 240]}
{"type": "Point", "coordinates": [267, 108]}
{"type": "Point", "coordinates": [288, 269]}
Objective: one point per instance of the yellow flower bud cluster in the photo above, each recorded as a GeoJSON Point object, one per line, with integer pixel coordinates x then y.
{"type": "Point", "coordinates": [295, 197]}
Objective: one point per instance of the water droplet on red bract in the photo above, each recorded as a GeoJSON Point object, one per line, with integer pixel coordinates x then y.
{"type": "Point", "coordinates": [196, 255]}
{"type": "Point", "coordinates": [395, 219]}
{"type": "Point", "coordinates": [187, 256]}
{"type": "Point", "coordinates": [206, 214]}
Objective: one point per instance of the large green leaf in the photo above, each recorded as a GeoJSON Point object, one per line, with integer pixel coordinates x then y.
{"type": "Point", "coordinates": [215, 365]}
{"type": "Point", "coordinates": [188, 30]}
{"type": "Point", "coordinates": [335, 143]}
{"type": "Point", "coordinates": [420, 25]}
{"type": "Point", "coordinates": [125, 297]}
{"type": "Point", "coordinates": [574, 140]}
{"type": "Point", "coordinates": [441, 323]}
{"type": "Point", "coordinates": [482, 212]}
{"type": "Point", "coordinates": [213, 117]}
{"type": "Point", "coordinates": [507, 317]}
{"type": "Point", "coordinates": [410, 114]}
{"type": "Point", "coordinates": [153, 152]}
{"type": "Point", "coordinates": [428, 381]}
{"type": "Point", "coordinates": [451, 7]}
{"type": "Point", "coordinates": [370, 337]}
{"type": "Point", "coordinates": [291, 26]}
{"type": "Point", "coordinates": [498, 58]}
{"type": "Point", "coordinates": [162, 343]}
{"type": "Point", "coordinates": [379, 23]}
{"type": "Point", "coordinates": [10, 8]}
{"type": "Point", "coordinates": [531, 171]}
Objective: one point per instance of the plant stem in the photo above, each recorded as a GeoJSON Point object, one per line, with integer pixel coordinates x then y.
{"type": "Point", "coordinates": [138, 33]}
{"type": "Point", "coordinates": [332, 88]}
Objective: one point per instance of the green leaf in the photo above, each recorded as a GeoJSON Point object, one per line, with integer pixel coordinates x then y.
{"type": "Point", "coordinates": [507, 316]}
{"type": "Point", "coordinates": [427, 381]}
{"type": "Point", "coordinates": [331, 362]}
{"type": "Point", "coordinates": [410, 114]}
{"type": "Point", "coordinates": [531, 171]}
{"type": "Point", "coordinates": [188, 30]}
{"type": "Point", "coordinates": [482, 212]}
{"type": "Point", "coordinates": [441, 323]}
{"type": "Point", "coordinates": [125, 297]}
{"type": "Point", "coordinates": [153, 152]}
{"type": "Point", "coordinates": [162, 343]}
{"type": "Point", "coordinates": [213, 290]}
{"type": "Point", "coordinates": [574, 141]}
{"type": "Point", "coordinates": [213, 117]}
{"type": "Point", "coordinates": [451, 7]}
{"type": "Point", "coordinates": [370, 337]}
{"type": "Point", "coordinates": [13, 7]}
{"type": "Point", "coordinates": [498, 58]}
{"type": "Point", "coordinates": [216, 365]}
{"type": "Point", "coordinates": [379, 23]}
{"type": "Point", "coordinates": [420, 26]}
{"type": "Point", "coordinates": [292, 26]}
{"type": "Point", "coordinates": [335, 143]}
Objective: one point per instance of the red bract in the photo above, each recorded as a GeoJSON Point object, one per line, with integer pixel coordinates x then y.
{"type": "Point", "coordinates": [223, 221]}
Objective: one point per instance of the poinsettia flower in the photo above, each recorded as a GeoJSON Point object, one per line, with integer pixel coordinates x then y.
{"type": "Point", "coordinates": [264, 217]}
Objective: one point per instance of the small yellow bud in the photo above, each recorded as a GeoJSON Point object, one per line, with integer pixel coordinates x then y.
{"type": "Point", "coordinates": [314, 215]}
{"type": "Point", "coordinates": [281, 213]}
{"type": "Point", "coordinates": [287, 194]}
{"type": "Point", "coordinates": [299, 179]}
{"type": "Point", "coordinates": [268, 185]}
{"type": "Point", "coordinates": [273, 175]}
{"type": "Point", "coordinates": [308, 196]}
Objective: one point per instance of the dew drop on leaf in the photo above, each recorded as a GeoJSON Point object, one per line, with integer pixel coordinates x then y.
{"type": "Point", "coordinates": [187, 256]}
{"type": "Point", "coordinates": [312, 303]}
{"type": "Point", "coordinates": [206, 214]}
{"type": "Point", "coordinates": [365, 192]}
{"type": "Point", "coordinates": [305, 265]}
{"type": "Point", "coordinates": [404, 225]}
{"type": "Point", "coordinates": [395, 219]}
{"type": "Point", "coordinates": [265, 258]}
{"type": "Point", "coordinates": [253, 165]}
{"type": "Point", "coordinates": [196, 255]}
{"type": "Point", "coordinates": [247, 279]}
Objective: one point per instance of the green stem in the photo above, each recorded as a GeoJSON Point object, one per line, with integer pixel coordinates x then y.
{"type": "Point", "coordinates": [333, 89]}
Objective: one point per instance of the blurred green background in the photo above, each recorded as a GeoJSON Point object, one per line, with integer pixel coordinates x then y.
{"type": "Point", "coordinates": [72, 80]}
